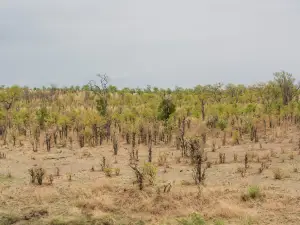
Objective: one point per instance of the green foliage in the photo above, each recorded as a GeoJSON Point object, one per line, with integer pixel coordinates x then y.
{"type": "Point", "coordinates": [254, 192]}
{"type": "Point", "coordinates": [102, 106]}
{"type": "Point", "coordinates": [42, 115]}
{"type": "Point", "coordinates": [219, 222]}
{"type": "Point", "coordinates": [193, 219]}
{"type": "Point", "coordinates": [150, 172]}
{"type": "Point", "coordinates": [166, 108]}
{"type": "Point", "coordinates": [222, 124]}
{"type": "Point", "coordinates": [9, 95]}
{"type": "Point", "coordinates": [8, 219]}
{"type": "Point", "coordinates": [108, 172]}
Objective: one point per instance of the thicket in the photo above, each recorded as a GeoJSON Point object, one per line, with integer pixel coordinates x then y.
{"type": "Point", "coordinates": [99, 113]}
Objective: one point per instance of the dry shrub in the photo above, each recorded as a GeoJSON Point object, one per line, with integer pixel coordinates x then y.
{"type": "Point", "coordinates": [178, 159]}
{"type": "Point", "coordinates": [162, 159]}
{"type": "Point", "coordinates": [32, 175]}
{"type": "Point", "coordinates": [213, 148]}
{"type": "Point", "coordinates": [235, 157]}
{"type": "Point", "coordinates": [278, 174]}
{"type": "Point", "coordinates": [93, 204]}
{"type": "Point", "coordinates": [262, 167]}
{"type": "Point", "coordinates": [242, 171]}
{"type": "Point", "coordinates": [57, 172]}
{"type": "Point", "coordinates": [222, 158]}
{"type": "Point", "coordinates": [291, 156]}
{"type": "Point", "coordinates": [92, 169]}
{"type": "Point", "coordinates": [266, 156]}
{"type": "Point", "coordinates": [117, 171]}
{"type": "Point", "coordinates": [108, 172]}
{"type": "Point", "coordinates": [150, 172]}
{"type": "Point", "coordinates": [69, 176]}
{"type": "Point", "coordinates": [37, 174]}
{"type": "Point", "coordinates": [273, 153]}
{"type": "Point", "coordinates": [208, 164]}
{"type": "Point", "coordinates": [2, 155]}
{"type": "Point", "coordinates": [227, 211]}
{"type": "Point", "coordinates": [252, 156]}
{"type": "Point", "coordinates": [186, 183]}
{"type": "Point", "coordinates": [50, 179]}
{"type": "Point", "coordinates": [8, 174]}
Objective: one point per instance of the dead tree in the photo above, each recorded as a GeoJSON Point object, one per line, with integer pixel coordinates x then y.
{"type": "Point", "coordinates": [48, 141]}
{"type": "Point", "coordinates": [139, 176]}
{"type": "Point", "coordinates": [150, 148]}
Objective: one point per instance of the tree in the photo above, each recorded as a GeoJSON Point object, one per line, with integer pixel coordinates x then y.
{"type": "Point", "coordinates": [166, 108]}
{"type": "Point", "coordinates": [8, 97]}
{"type": "Point", "coordinates": [102, 93]}
{"type": "Point", "coordinates": [285, 81]}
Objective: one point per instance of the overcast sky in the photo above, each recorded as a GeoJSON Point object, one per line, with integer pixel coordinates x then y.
{"type": "Point", "coordinates": [137, 42]}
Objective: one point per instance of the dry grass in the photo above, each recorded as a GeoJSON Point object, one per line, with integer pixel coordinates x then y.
{"type": "Point", "coordinates": [91, 196]}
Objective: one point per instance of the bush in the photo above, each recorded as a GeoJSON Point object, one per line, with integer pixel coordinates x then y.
{"type": "Point", "coordinates": [162, 159]}
{"type": "Point", "coordinates": [117, 171]}
{"type": "Point", "coordinates": [32, 175]}
{"type": "Point", "coordinates": [108, 172]}
{"type": "Point", "coordinates": [149, 172]}
{"type": "Point", "coordinates": [219, 222]}
{"type": "Point", "coordinates": [39, 173]}
{"type": "Point", "coordinates": [254, 192]}
{"type": "Point", "coordinates": [193, 219]}
{"type": "Point", "coordinates": [278, 174]}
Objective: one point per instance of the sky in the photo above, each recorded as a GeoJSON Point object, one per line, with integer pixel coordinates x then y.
{"type": "Point", "coordinates": [163, 43]}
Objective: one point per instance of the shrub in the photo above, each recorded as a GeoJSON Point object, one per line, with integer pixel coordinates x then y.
{"type": "Point", "coordinates": [69, 177]}
{"type": "Point", "coordinates": [50, 179]}
{"type": "Point", "coordinates": [108, 172]}
{"type": "Point", "coordinates": [39, 173]}
{"type": "Point", "coordinates": [193, 219]}
{"type": "Point", "coordinates": [162, 159]}
{"type": "Point", "coordinates": [117, 171]}
{"type": "Point", "coordinates": [262, 167]}
{"type": "Point", "coordinates": [254, 192]}
{"type": "Point", "coordinates": [208, 164]}
{"type": "Point", "coordinates": [150, 171]}
{"type": "Point", "coordinates": [222, 158]}
{"type": "Point", "coordinates": [278, 174]}
{"type": "Point", "coordinates": [178, 159]}
{"type": "Point", "coordinates": [242, 171]}
{"type": "Point", "coordinates": [235, 157]}
{"type": "Point", "coordinates": [32, 174]}
{"type": "Point", "coordinates": [219, 222]}
{"type": "Point", "coordinates": [57, 171]}
{"type": "Point", "coordinates": [2, 155]}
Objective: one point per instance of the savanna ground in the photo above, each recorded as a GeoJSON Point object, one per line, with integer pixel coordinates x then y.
{"type": "Point", "coordinates": [214, 154]}
{"type": "Point", "coordinates": [82, 195]}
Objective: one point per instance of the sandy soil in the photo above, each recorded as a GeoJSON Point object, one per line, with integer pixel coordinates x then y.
{"type": "Point", "coordinates": [91, 194]}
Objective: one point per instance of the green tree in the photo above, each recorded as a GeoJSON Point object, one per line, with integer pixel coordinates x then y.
{"type": "Point", "coordinates": [166, 108]}
{"type": "Point", "coordinates": [285, 81]}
